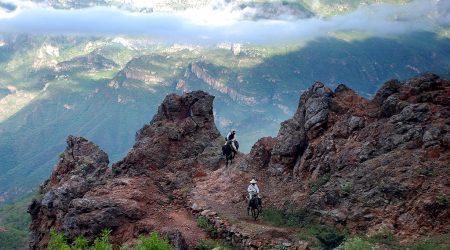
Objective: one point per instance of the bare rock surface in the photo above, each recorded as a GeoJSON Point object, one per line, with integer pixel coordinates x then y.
{"type": "Point", "coordinates": [360, 165]}
{"type": "Point", "coordinates": [140, 193]}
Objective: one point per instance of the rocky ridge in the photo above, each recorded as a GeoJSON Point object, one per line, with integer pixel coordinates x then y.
{"type": "Point", "coordinates": [140, 193]}
{"type": "Point", "coordinates": [357, 164]}
{"type": "Point", "coordinates": [366, 165]}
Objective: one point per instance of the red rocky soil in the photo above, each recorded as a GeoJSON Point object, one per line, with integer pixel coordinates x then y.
{"type": "Point", "coordinates": [382, 164]}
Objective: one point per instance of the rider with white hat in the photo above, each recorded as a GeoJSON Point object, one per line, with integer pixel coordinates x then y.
{"type": "Point", "coordinates": [252, 191]}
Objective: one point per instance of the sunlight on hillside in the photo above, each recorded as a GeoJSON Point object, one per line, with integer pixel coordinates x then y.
{"type": "Point", "coordinates": [444, 33]}
{"type": "Point", "coordinates": [350, 36]}
{"type": "Point", "coordinates": [327, 8]}
{"type": "Point", "coordinates": [14, 102]}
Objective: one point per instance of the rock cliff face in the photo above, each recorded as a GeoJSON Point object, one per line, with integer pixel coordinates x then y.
{"type": "Point", "coordinates": [362, 165]}
{"type": "Point", "coordinates": [217, 84]}
{"type": "Point", "coordinates": [91, 63]}
{"type": "Point", "coordinates": [366, 165]}
{"type": "Point", "coordinates": [139, 194]}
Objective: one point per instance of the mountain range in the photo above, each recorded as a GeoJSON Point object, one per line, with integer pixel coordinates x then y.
{"type": "Point", "coordinates": [99, 88]}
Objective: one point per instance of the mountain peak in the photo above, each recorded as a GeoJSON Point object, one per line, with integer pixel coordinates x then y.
{"type": "Point", "coordinates": [182, 129]}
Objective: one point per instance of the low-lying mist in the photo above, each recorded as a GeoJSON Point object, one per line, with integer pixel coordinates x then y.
{"type": "Point", "coordinates": [217, 23]}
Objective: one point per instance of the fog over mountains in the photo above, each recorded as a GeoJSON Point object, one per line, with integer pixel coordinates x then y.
{"type": "Point", "coordinates": [223, 21]}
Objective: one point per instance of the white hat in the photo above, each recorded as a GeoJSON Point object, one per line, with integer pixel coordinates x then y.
{"type": "Point", "coordinates": [253, 181]}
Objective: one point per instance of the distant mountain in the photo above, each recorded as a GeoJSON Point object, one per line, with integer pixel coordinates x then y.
{"type": "Point", "coordinates": [105, 89]}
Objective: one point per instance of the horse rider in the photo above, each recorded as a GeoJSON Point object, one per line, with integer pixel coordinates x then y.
{"type": "Point", "coordinates": [231, 136]}
{"type": "Point", "coordinates": [252, 191]}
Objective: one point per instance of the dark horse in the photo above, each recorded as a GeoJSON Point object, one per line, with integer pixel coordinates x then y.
{"type": "Point", "coordinates": [255, 206]}
{"type": "Point", "coordinates": [228, 151]}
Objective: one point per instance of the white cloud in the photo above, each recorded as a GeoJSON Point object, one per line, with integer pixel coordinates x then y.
{"type": "Point", "coordinates": [215, 23]}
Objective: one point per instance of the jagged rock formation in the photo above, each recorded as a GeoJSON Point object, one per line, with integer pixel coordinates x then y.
{"type": "Point", "coordinates": [362, 165]}
{"type": "Point", "coordinates": [139, 194]}
{"type": "Point", "coordinates": [367, 165]}
{"type": "Point", "coordinates": [182, 134]}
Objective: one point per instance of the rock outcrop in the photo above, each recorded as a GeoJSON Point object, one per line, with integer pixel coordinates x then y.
{"type": "Point", "coordinates": [367, 165]}
{"type": "Point", "coordinates": [140, 193]}
{"type": "Point", "coordinates": [363, 165]}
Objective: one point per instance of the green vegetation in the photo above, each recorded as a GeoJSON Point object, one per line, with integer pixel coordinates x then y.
{"type": "Point", "coordinates": [273, 216]}
{"type": "Point", "coordinates": [281, 247]}
{"type": "Point", "coordinates": [57, 241]}
{"type": "Point", "coordinates": [102, 243]}
{"type": "Point", "coordinates": [317, 184]}
{"type": "Point", "coordinates": [292, 217]}
{"type": "Point", "coordinates": [14, 220]}
{"type": "Point", "coordinates": [435, 243]}
{"type": "Point", "coordinates": [357, 243]}
{"type": "Point", "coordinates": [385, 237]}
{"type": "Point", "coordinates": [206, 225]}
{"type": "Point", "coordinates": [346, 188]}
{"type": "Point", "coordinates": [80, 243]}
{"type": "Point", "coordinates": [385, 240]}
{"type": "Point", "coordinates": [151, 242]}
{"type": "Point", "coordinates": [328, 236]}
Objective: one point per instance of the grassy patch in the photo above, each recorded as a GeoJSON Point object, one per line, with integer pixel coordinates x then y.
{"type": "Point", "coordinates": [151, 242]}
{"type": "Point", "coordinates": [273, 216]}
{"type": "Point", "coordinates": [440, 242]}
{"type": "Point", "coordinates": [357, 243]}
{"type": "Point", "coordinates": [293, 217]}
{"type": "Point", "coordinates": [385, 237]}
{"type": "Point", "coordinates": [204, 224]}
{"type": "Point", "coordinates": [328, 236]}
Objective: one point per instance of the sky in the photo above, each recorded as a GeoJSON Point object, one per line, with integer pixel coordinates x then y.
{"type": "Point", "coordinates": [220, 22]}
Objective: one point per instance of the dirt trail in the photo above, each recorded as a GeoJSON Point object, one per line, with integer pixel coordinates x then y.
{"type": "Point", "coordinates": [223, 191]}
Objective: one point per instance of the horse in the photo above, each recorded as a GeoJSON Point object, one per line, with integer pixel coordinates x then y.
{"type": "Point", "coordinates": [228, 151]}
{"type": "Point", "coordinates": [255, 206]}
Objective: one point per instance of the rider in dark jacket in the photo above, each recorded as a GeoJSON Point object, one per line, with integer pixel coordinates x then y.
{"type": "Point", "coordinates": [231, 136]}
